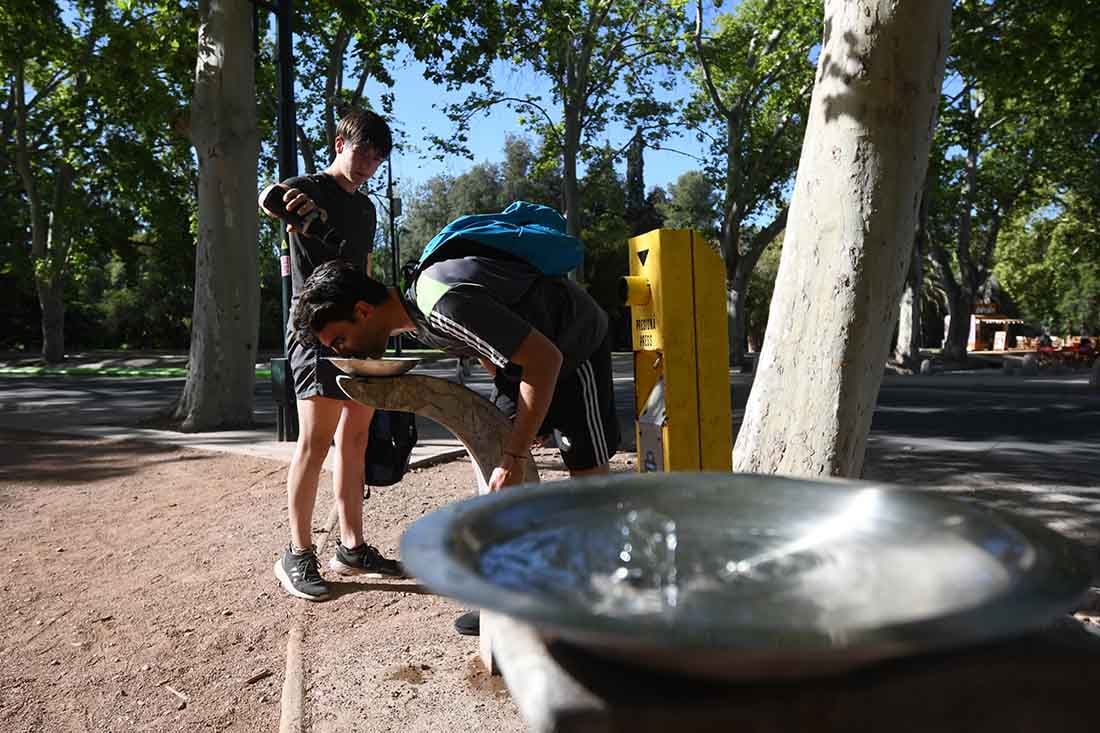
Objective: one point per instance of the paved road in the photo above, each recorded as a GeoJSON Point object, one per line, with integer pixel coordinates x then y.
{"type": "Point", "coordinates": [1048, 430]}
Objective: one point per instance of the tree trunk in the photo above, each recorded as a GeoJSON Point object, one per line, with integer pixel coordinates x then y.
{"type": "Point", "coordinates": [51, 300]}
{"type": "Point", "coordinates": [736, 290]}
{"type": "Point", "coordinates": [848, 240]}
{"type": "Point", "coordinates": [48, 243]}
{"type": "Point", "coordinates": [960, 306]}
{"type": "Point", "coordinates": [910, 323]}
{"type": "Point", "coordinates": [907, 347]}
{"type": "Point", "coordinates": [737, 278]}
{"type": "Point", "coordinates": [218, 392]}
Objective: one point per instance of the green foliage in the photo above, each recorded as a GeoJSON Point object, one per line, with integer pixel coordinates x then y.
{"type": "Point", "coordinates": [1036, 72]}
{"type": "Point", "coordinates": [693, 203]}
{"type": "Point", "coordinates": [524, 175]}
{"type": "Point", "coordinates": [758, 299]}
{"type": "Point", "coordinates": [604, 231]}
{"type": "Point", "coordinates": [343, 41]}
{"type": "Point", "coordinates": [100, 158]}
{"type": "Point", "coordinates": [753, 77]}
{"type": "Point", "coordinates": [601, 60]}
{"type": "Point", "coordinates": [1050, 263]}
{"type": "Point", "coordinates": [1017, 133]}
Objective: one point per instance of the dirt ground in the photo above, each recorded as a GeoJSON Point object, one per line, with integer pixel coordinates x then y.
{"type": "Point", "coordinates": [138, 595]}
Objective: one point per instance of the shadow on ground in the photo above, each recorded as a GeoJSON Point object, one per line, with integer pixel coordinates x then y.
{"type": "Point", "coordinates": [51, 459]}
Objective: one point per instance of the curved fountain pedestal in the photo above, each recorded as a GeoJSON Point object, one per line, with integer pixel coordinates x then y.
{"type": "Point", "coordinates": [482, 429]}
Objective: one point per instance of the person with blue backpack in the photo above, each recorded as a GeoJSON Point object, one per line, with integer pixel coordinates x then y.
{"type": "Point", "coordinates": [492, 287]}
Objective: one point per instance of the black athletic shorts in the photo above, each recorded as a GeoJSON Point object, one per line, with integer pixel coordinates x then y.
{"type": "Point", "coordinates": [582, 413]}
{"type": "Point", "coordinates": [313, 374]}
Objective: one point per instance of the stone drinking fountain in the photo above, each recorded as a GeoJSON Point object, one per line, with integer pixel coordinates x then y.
{"type": "Point", "coordinates": [710, 601]}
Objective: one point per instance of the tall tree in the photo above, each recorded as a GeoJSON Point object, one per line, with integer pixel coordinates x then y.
{"type": "Point", "coordinates": [49, 188]}
{"type": "Point", "coordinates": [523, 175]}
{"type": "Point", "coordinates": [641, 213]}
{"type": "Point", "coordinates": [754, 76]}
{"type": "Point", "coordinates": [351, 41]}
{"type": "Point", "coordinates": [223, 126]}
{"type": "Point", "coordinates": [366, 34]}
{"type": "Point", "coordinates": [693, 203]}
{"type": "Point", "coordinates": [600, 59]}
{"type": "Point", "coordinates": [78, 145]}
{"type": "Point", "coordinates": [530, 174]}
{"type": "Point", "coordinates": [910, 323]}
{"type": "Point", "coordinates": [1009, 130]}
{"type": "Point", "coordinates": [978, 189]}
{"type": "Point", "coordinates": [1050, 264]}
{"type": "Point", "coordinates": [847, 244]}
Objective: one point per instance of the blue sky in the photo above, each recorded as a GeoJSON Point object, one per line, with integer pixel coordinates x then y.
{"type": "Point", "coordinates": [418, 113]}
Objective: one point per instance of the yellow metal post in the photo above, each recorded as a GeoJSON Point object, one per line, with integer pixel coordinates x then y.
{"type": "Point", "coordinates": [676, 293]}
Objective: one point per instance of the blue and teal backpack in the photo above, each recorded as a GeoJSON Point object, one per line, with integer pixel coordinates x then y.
{"type": "Point", "coordinates": [531, 232]}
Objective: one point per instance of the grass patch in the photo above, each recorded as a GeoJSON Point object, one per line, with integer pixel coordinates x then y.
{"type": "Point", "coordinates": [147, 372]}
{"type": "Point", "coordinates": [263, 371]}
{"type": "Point", "coordinates": [45, 371]}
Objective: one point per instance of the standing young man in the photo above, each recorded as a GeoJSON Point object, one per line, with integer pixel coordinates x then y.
{"type": "Point", "coordinates": [363, 141]}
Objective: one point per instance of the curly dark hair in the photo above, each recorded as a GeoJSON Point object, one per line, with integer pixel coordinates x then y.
{"type": "Point", "coordinates": [364, 128]}
{"type": "Point", "coordinates": [330, 294]}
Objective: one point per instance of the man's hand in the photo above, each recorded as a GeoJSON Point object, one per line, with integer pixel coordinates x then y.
{"type": "Point", "coordinates": [299, 203]}
{"type": "Point", "coordinates": [508, 473]}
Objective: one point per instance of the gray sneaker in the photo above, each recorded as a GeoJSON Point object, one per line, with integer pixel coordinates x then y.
{"type": "Point", "coordinates": [300, 575]}
{"type": "Point", "coordinates": [364, 560]}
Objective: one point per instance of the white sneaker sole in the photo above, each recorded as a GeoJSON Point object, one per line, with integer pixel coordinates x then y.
{"type": "Point", "coordinates": [289, 587]}
{"type": "Point", "coordinates": [338, 567]}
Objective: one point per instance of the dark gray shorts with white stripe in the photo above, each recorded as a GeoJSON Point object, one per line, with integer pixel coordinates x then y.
{"type": "Point", "coordinates": [582, 414]}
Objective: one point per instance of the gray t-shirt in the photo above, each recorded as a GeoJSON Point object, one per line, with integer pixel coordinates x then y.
{"type": "Point", "coordinates": [480, 305]}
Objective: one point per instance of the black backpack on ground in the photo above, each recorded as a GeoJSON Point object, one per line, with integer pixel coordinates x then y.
{"type": "Point", "coordinates": [392, 438]}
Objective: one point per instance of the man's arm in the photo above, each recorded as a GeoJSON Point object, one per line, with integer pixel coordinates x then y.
{"type": "Point", "coordinates": [500, 336]}
{"type": "Point", "coordinates": [541, 362]}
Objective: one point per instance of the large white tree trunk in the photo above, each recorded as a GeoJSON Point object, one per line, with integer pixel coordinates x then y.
{"type": "Point", "coordinates": [224, 329]}
{"type": "Point", "coordinates": [848, 238]}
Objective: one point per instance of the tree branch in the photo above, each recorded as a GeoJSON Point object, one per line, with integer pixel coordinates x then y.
{"type": "Point", "coordinates": [708, 80]}
{"type": "Point", "coordinates": [309, 155]}
{"type": "Point", "coordinates": [763, 238]}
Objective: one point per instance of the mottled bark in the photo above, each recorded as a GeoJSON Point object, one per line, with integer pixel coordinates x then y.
{"type": "Point", "coordinates": [848, 238]}
{"type": "Point", "coordinates": [218, 393]}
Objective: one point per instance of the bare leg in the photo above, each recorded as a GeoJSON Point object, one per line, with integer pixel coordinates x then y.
{"type": "Point", "coordinates": [352, 435]}
{"type": "Point", "coordinates": [317, 420]}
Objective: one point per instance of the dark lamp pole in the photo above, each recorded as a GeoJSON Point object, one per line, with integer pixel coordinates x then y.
{"type": "Point", "coordinates": [393, 210]}
{"type": "Point", "coordinates": [288, 152]}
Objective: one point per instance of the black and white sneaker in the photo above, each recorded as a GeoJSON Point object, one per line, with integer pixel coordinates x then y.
{"type": "Point", "coordinates": [364, 560]}
{"type": "Point", "coordinates": [300, 575]}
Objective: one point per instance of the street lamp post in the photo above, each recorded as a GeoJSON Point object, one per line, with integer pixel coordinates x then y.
{"type": "Point", "coordinates": [288, 152]}
{"type": "Point", "coordinates": [287, 147]}
{"type": "Point", "coordinates": [394, 212]}
{"type": "Point", "coordinates": [281, 382]}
